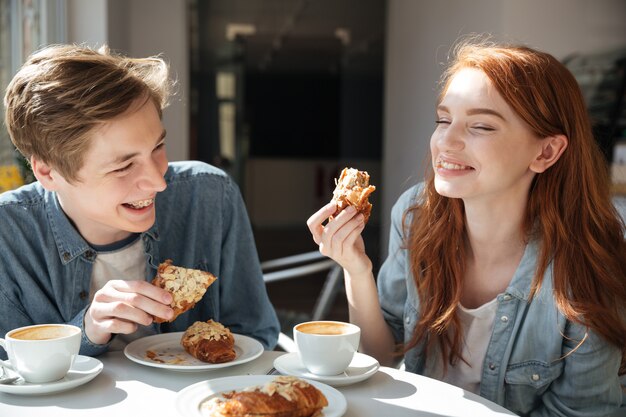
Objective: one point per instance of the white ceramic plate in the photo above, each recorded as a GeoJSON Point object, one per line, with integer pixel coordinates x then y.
{"type": "Point", "coordinates": [188, 399]}
{"type": "Point", "coordinates": [168, 353]}
{"type": "Point", "coordinates": [361, 368]}
{"type": "Point", "coordinates": [83, 370]}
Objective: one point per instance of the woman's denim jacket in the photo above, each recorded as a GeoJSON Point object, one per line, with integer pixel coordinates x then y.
{"type": "Point", "coordinates": [531, 366]}
{"type": "Point", "coordinates": [201, 222]}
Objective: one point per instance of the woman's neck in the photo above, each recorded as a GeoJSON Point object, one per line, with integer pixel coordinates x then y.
{"type": "Point", "coordinates": [494, 247]}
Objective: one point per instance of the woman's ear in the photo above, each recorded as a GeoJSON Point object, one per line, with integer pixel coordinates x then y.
{"type": "Point", "coordinates": [552, 148]}
{"type": "Point", "coordinates": [43, 173]}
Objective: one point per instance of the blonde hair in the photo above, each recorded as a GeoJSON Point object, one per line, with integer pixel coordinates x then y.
{"type": "Point", "coordinates": [63, 92]}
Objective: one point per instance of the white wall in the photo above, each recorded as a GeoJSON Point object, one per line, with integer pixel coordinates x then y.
{"type": "Point", "coordinates": [142, 28]}
{"type": "Point", "coordinates": [419, 36]}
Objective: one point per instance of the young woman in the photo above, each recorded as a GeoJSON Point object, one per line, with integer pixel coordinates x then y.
{"type": "Point", "coordinates": [506, 272]}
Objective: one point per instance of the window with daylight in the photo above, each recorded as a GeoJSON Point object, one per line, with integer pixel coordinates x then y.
{"type": "Point", "coordinates": [25, 26]}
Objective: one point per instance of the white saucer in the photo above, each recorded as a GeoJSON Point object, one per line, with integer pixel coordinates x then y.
{"type": "Point", "coordinates": [361, 368]}
{"type": "Point", "coordinates": [83, 370]}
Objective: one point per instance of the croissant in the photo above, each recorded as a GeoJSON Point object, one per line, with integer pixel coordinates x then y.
{"type": "Point", "coordinates": [209, 342]}
{"type": "Point", "coordinates": [284, 396]}
{"type": "Point", "coordinates": [186, 285]}
{"type": "Point", "coordinates": [353, 189]}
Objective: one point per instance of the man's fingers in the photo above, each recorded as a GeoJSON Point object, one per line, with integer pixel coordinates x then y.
{"type": "Point", "coordinates": [143, 288]}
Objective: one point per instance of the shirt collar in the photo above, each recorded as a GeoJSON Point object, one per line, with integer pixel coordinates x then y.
{"type": "Point", "coordinates": [69, 242]}
{"type": "Point", "coordinates": [522, 279]}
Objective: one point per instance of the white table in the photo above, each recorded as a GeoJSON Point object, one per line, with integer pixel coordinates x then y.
{"type": "Point", "coordinates": [125, 388]}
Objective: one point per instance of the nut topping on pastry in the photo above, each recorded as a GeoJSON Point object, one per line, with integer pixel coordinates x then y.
{"type": "Point", "coordinates": [186, 285]}
{"type": "Point", "coordinates": [209, 342]}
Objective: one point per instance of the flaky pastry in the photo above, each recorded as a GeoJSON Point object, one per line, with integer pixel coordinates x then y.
{"type": "Point", "coordinates": [353, 189]}
{"type": "Point", "coordinates": [284, 396]}
{"type": "Point", "coordinates": [209, 342]}
{"type": "Point", "coordinates": [186, 285]}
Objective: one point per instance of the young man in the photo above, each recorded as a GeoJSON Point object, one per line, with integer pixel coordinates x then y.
{"type": "Point", "coordinates": [82, 244]}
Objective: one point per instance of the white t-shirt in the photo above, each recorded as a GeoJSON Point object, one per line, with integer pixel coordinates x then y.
{"type": "Point", "coordinates": [128, 263]}
{"type": "Point", "coordinates": [476, 325]}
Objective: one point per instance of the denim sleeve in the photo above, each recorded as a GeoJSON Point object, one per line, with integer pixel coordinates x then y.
{"type": "Point", "coordinates": [244, 304]}
{"type": "Point", "coordinates": [392, 286]}
{"type": "Point", "coordinates": [589, 385]}
{"type": "Point", "coordinates": [87, 347]}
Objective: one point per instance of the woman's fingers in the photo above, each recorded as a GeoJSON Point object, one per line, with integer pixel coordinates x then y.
{"type": "Point", "coordinates": [315, 222]}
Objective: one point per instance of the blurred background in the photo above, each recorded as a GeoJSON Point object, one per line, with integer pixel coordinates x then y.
{"type": "Point", "coordinates": [282, 94]}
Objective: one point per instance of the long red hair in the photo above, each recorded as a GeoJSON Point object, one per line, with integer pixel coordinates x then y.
{"type": "Point", "coordinates": [569, 209]}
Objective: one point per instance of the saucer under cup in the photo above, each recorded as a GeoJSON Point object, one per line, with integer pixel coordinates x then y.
{"type": "Point", "coordinates": [326, 352]}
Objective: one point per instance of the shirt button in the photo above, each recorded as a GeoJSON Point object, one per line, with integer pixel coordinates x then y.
{"type": "Point", "coordinates": [66, 256]}
{"type": "Point", "coordinates": [407, 319]}
{"type": "Point", "coordinates": [492, 366]}
{"type": "Point", "coordinates": [90, 254]}
{"type": "Point", "coordinates": [535, 377]}
{"type": "Point", "coordinates": [83, 295]}
{"type": "Point", "coordinates": [504, 319]}
{"type": "Point", "coordinates": [506, 297]}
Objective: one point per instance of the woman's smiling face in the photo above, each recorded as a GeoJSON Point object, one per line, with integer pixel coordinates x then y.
{"type": "Point", "coordinates": [480, 147]}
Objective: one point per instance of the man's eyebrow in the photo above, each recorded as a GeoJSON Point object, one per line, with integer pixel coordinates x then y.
{"type": "Point", "coordinates": [475, 111]}
{"type": "Point", "coordinates": [123, 158]}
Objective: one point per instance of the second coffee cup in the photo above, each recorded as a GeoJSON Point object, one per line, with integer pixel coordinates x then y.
{"type": "Point", "coordinates": [326, 347]}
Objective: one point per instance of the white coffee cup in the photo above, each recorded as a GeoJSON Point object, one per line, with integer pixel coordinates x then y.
{"type": "Point", "coordinates": [326, 347]}
{"type": "Point", "coordinates": [41, 353]}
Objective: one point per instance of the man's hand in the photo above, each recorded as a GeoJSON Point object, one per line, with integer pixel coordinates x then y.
{"type": "Point", "coordinates": [121, 306]}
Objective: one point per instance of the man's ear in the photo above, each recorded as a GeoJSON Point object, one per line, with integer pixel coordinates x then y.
{"type": "Point", "coordinates": [552, 148]}
{"type": "Point", "coordinates": [44, 174]}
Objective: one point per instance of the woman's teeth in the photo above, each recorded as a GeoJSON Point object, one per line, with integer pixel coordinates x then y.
{"type": "Point", "coordinates": [449, 165]}
{"type": "Point", "coordinates": [141, 203]}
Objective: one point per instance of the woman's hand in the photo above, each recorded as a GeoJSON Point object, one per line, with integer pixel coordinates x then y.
{"type": "Point", "coordinates": [121, 306]}
{"type": "Point", "coordinates": [340, 239]}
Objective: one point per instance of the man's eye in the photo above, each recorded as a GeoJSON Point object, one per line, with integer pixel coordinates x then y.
{"type": "Point", "coordinates": [124, 168]}
{"type": "Point", "coordinates": [442, 122]}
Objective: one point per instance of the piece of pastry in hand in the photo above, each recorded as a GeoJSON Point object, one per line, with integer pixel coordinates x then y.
{"type": "Point", "coordinates": [284, 396]}
{"type": "Point", "coordinates": [186, 285]}
{"type": "Point", "coordinates": [353, 189]}
{"type": "Point", "coordinates": [209, 342]}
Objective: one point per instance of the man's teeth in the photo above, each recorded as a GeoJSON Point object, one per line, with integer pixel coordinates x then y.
{"type": "Point", "coordinates": [141, 203]}
{"type": "Point", "coordinates": [449, 165]}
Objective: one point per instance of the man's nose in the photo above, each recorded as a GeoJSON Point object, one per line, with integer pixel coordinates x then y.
{"type": "Point", "coordinates": [152, 177]}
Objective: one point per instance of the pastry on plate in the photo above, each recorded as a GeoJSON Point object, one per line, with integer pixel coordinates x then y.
{"type": "Point", "coordinates": [284, 396]}
{"type": "Point", "coordinates": [209, 342]}
{"type": "Point", "coordinates": [186, 285]}
{"type": "Point", "coordinates": [353, 189]}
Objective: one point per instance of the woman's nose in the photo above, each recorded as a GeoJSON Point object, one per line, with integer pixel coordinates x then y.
{"type": "Point", "coordinates": [451, 139]}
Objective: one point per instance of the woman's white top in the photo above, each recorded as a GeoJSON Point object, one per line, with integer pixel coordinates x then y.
{"type": "Point", "coordinates": [477, 326]}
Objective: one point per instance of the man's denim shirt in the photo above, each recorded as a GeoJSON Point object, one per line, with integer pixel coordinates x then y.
{"type": "Point", "coordinates": [531, 366]}
{"type": "Point", "coordinates": [201, 222]}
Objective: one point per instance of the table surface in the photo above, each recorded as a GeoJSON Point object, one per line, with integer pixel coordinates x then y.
{"type": "Point", "coordinates": [125, 387]}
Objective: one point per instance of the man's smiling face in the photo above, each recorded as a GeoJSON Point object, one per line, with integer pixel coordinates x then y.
{"type": "Point", "coordinates": [122, 173]}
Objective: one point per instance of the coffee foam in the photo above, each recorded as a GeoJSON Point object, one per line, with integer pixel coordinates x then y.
{"type": "Point", "coordinates": [323, 328]}
{"type": "Point", "coordinates": [43, 333]}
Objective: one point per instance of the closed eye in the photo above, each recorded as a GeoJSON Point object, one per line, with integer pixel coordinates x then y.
{"type": "Point", "coordinates": [442, 122]}
{"type": "Point", "coordinates": [484, 128]}
{"type": "Point", "coordinates": [124, 168]}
